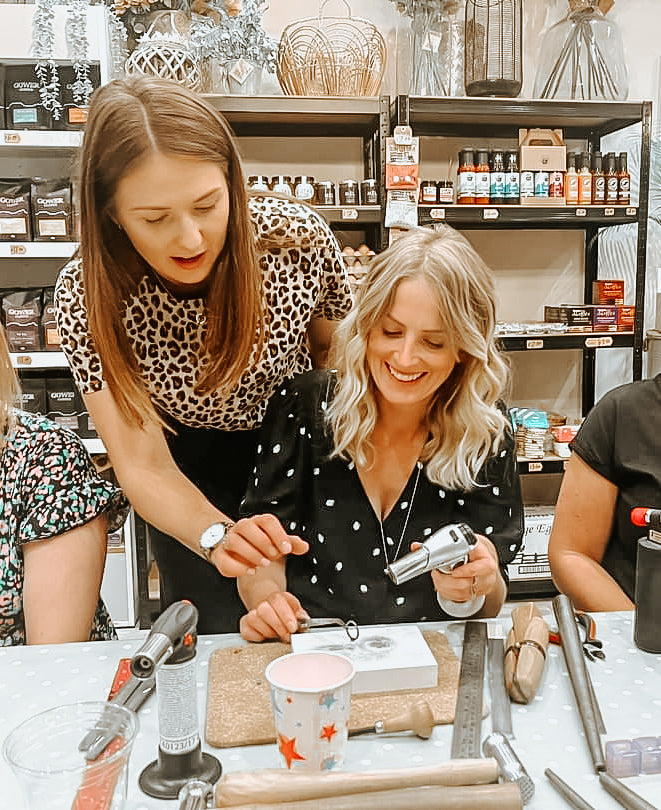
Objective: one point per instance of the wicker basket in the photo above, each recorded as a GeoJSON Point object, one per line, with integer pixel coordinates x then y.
{"type": "Point", "coordinates": [331, 56]}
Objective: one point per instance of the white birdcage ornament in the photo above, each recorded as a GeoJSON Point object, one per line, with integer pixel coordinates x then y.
{"type": "Point", "coordinates": [164, 52]}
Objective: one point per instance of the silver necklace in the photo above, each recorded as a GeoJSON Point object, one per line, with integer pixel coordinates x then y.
{"type": "Point", "coordinates": [406, 521]}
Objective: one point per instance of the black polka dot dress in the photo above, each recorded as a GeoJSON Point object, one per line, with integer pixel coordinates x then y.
{"type": "Point", "coordinates": [323, 501]}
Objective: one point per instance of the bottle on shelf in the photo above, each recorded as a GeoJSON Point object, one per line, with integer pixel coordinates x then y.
{"type": "Point", "coordinates": [612, 180]}
{"type": "Point", "coordinates": [556, 185]}
{"type": "Point", "coordinates": [571, 180]}
{"type": "Point", "coordinates": [466, 178]}
{"type": "Point", "coordinates": [624, 180]}
{"type": "Point", "coordinates": [512, 177]}
{"type": "Point", "coordinates": [482, 177]}
{"type": "Point", "coordinates": [598, 180]}
{"type": "Point", "coordinates": [497, 190]}
{"type": "Point", "coordinates": [584, 179]}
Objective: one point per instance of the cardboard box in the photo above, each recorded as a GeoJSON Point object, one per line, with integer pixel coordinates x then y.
{"type": "Point", "coordinates": [626, 318]}
{"type": "Point", "coordinates": [604, 318]}
{"type": "Point", "coordinates": [577, 316]}
{"type": "Point", "coordinates": [532, 559]}
{"type": "Point", "coordinates": [542, 150]}
{"type": "Point", "coordinates": [608, 291]}
{"type": "Point", "coordinates": [387, 658]}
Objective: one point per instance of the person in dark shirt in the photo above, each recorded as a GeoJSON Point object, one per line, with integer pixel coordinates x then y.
{"type": "Point", "coordinates": [406, 435]}
{"type": "Point", "coordinates": [614, 468]}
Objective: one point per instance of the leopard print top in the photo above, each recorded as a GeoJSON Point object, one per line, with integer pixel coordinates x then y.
{"type": "Point", "coordinates": [301, 282]}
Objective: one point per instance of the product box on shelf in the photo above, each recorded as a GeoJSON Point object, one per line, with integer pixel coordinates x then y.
{"type": "Point", "coordinates": [50, 203]}
{"type": "Point", "coordinates": [604, 318]}
{"type": "Point", "coordinates": [542, 150]}
{"type": "Point", "coordinates": [626, 318]}
{"type": "Point", "coordinates": [33, 394]}
{"type": "Point", "coordinates": [65, 405]}
{"type": "Point", "coordinates": [21, 311]}
{"type": "Point", "coordinates": [532, 559]}
{"type": "Point", "coordinates": [608, 291]}
{"type": "Point", "coordinates": [577, 316]}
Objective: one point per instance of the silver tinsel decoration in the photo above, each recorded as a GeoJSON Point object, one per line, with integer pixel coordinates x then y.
{"type": "Point", "coordinates": [76, 37]}
{"type": "Point", "coordinates": [43, 47]}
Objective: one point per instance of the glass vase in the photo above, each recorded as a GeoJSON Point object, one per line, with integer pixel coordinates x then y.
{"type": "Point", "coordinates": [493, 32]}
{"type": "Point", "coordinates": [437, 48]}
{"type": "Point", "coordinates": [582, 57]}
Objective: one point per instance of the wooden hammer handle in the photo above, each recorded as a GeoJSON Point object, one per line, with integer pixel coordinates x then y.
{"type": "Point", "coordinates": [277, 785]}
{"type": "Point", "coordinates": [505, 796]}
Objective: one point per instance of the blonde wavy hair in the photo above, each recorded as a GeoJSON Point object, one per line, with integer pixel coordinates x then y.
{"type": "Point", "coordinates": [464, 421]}
{"type": "Point", "coordinates": [10, 390]}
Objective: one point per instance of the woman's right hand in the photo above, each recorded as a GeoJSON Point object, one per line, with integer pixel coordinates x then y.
{"type": "Point", "coordinates": [254, 542]}
{"type": "Point", "coordinates": [277, 616]}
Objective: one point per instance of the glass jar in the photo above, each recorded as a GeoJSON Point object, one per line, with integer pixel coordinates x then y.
{"type": "Point", "coordinates": [258, 182]}
{"type": "Point", "coordinates": [349, 192]}
{"type": "Point", "coordinates": [582, 57]}
{"type": "Point", "coordinates": [324, 192]}
{"type": "Point", "coordinates": [369, 192]}
{"type": "Point", "coordinates": [282, 184]}
{"type": "Point", "coordinates": [304, 188]}
{"type": "Point", "coordinates": [428, 192]}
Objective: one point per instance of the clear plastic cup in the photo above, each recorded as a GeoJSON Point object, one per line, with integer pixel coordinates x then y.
{"type": "Point", "coordinates": [44, 755]}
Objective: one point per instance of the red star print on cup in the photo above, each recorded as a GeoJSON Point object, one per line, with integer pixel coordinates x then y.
{"type": "Point", "coordinates": [328, 732]}
{"type": "Point", "coordinates": [288, 749]}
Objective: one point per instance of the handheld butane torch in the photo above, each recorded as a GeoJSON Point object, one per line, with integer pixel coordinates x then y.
{"type": "Point", "coordinates": [444, 550]}
{"type": "Point", "coordinates": [169, 653]}
{"type": "Point", "coordinates": [647, 622]}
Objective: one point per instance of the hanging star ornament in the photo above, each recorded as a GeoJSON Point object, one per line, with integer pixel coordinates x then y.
{"type": "Point", "coordinates": [328, 732]}
{"type": "Point", "coordinates": [288, 750]}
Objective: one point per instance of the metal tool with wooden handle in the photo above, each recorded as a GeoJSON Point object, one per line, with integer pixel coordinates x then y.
{"type": "Point", "coordinates": [418, 718]}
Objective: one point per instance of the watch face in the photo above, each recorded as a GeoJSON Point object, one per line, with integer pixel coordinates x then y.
{"type": "Point", "coordinates": [213, 535]}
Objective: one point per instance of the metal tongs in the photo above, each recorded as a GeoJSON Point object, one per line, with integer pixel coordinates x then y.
{"type": "Point", "coordinates": [350, 627]}
{"type": "Point", "coordinates": [132, 695]}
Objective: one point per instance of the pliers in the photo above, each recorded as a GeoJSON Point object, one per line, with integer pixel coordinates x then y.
{"type": "Point", "coordinates": [592, 646]}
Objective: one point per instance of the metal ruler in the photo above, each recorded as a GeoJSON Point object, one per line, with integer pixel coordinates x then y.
{"type": "Point", "coordinates": [468, 712]}
{"type": "Point", "coordinates": [501, 709]}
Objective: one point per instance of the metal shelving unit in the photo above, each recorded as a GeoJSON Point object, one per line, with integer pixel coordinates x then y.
{"type": "Point", "coordinates": [588, 121]}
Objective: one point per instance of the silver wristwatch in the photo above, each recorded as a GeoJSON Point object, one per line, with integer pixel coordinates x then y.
{"type": "Point", "coordinates": [212, 537]}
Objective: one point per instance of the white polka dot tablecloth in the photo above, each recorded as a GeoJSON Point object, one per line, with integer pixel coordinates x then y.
{"type": "Point", "coordinates": [548, 732]}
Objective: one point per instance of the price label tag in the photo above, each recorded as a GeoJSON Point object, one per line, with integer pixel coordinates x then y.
{"type": "Point", "coordinates": [598, 342]}
{"type": "Point", "coordinates": [609, 212]}
{"type": "Point", "coordinates": [12, 137]}
{"type": "Point", "coordinates": [437, 213]}
{"type": "Point", "coordinates": [17, 250]}
{"type": "Point", "coordinates": [349, 213]}
{"type": "Point", "coordinates": [534, 344]}
{"type": "Point", "coordinates": [490, 213]}
{"type": "Point", "coordinates": [535, 466]}
{"type": "Point", "coordinates": [23, 360]}
{"type": "Point", "coordinates": [631, 212]}
{"type": "Point", "coordinates": [581, 212]}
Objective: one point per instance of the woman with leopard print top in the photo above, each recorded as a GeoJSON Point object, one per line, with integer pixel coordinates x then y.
{"type": "Point", "coordinates": [55, 512]}
{"type": "Point", "coordinates": [188, 304]}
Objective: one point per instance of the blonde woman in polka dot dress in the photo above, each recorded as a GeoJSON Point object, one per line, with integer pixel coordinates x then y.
{"type": "Point", "coordinates": [409, 433]}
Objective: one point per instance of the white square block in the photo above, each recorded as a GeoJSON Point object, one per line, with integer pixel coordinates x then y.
{"type": "Point", "coordinates": [387, 658]}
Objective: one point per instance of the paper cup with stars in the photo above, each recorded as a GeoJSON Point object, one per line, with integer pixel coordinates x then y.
{"type": "Point", "coordinates": [311, 700]}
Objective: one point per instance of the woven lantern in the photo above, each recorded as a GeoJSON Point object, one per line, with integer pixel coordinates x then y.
{"type": "Point", "coordinates": [165, 53]}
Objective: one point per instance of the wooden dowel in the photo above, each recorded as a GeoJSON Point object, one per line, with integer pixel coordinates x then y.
{"type": "Point", "coordinates": [252, 787]}
{"type": "Point", "coordinates": [485, 797]}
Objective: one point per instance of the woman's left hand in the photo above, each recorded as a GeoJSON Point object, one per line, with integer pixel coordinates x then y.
{"type": "Point", "coordinates": [480, 576]}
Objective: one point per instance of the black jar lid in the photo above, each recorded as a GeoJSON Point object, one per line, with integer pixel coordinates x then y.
{"type": "Point", "coordinates": [348, 183]}
{"type": "Point", "coordinates": [304, 178]}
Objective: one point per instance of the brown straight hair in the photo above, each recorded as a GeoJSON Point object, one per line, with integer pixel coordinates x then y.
{"type": "Point", "coordinates": [129, 120]}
